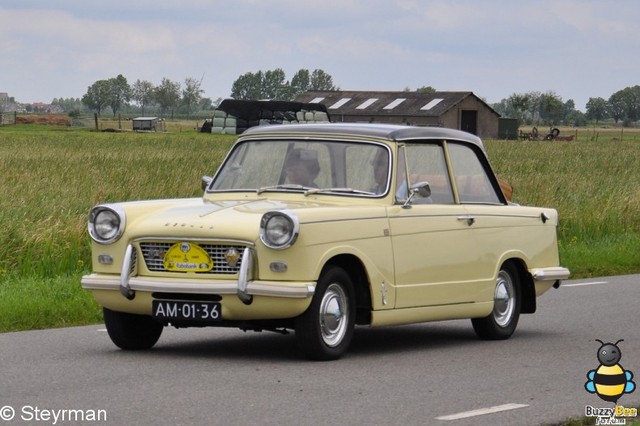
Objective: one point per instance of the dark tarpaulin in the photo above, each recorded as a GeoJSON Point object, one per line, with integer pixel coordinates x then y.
{"type": "Point", "coordinates": [256, 110]}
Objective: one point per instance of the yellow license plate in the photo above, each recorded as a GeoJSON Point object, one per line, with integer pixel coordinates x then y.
{"type": "Point", "coordinates": [187, 257]}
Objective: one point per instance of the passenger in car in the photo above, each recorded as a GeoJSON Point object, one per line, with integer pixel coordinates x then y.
{"type": "Point", "coordinates": [302, 167]}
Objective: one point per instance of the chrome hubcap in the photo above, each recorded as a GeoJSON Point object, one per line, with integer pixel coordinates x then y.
{"type": "Point", "coordinates": [504, 299]}
{"type": "Point", "coordinates": [334, 315]}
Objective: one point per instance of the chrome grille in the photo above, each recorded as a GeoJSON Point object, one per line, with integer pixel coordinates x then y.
{"type": "Point", "coordinates": [153, 255]}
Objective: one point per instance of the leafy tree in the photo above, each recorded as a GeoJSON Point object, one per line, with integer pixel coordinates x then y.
{"type": "Point", "coordinates": [192, 93]}
{"type": "Point", "coordinates": [576, 118]}
{"type": "Point", "coordinates": [97, 96]}
{"type": "Point", "coordinates": [426, 89]}
{"type": "Point", "coordinates": [301, 82]}
{"type": "Point", "coordinates": [517, 106]}
{"type": "Point", "coordinates": [205, 104]}
{"type": "Point", "coordinates": [320, 80]}
{"type": "Point", "coordinates": [631, 96]}
{"type": "Point", "coordinates": [142, 92]}
{"type": "Point", "coordinates": [617, 106]}
{"type": "Point", "coordinates": [119, 93]}
{"type": "Point", "coordinates": [167, 95]}
{"type": "Point", "coordinates": [569, 107]}
{"type": "Point", "coordinates": [597, 109]}
{"type": "Point", "coordinates": [551, 108]}
{"type": "Point", "coordinates": [273, 85]}
{"type": "Point", "coordinates": [248, 86]}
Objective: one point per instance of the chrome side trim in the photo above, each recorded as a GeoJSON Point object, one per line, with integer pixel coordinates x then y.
{"type": "Point", "coordinates": [125, 288]}
{"type": "Point", "coordinates": [550, 274]}
{"type": "Point", "coordinates": [192, 286]}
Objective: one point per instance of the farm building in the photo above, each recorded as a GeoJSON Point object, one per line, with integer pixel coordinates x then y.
{"type": "Point", "coordinates": [234, 116]}
{"type": "Point", "coordinates": [145, 123]}
{"type": "Point", "coordinates": [455, 110]}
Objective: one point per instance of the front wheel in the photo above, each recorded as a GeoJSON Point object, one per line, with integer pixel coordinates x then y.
{"type": "Point", "coordinates": [502, 321]}
{"type": "Point", "coordinates": [130, 331]}
{"type": "Point", "coordinates": [325, 330]}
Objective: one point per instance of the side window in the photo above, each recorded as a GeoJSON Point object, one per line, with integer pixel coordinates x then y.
{"type": "Point", "coordinates": [426, 163]}
{"type": "Point", "coordinates": [471, 177]}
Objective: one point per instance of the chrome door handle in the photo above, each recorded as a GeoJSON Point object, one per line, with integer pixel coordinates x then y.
{"type": "Point", "coordinates": [469, 219]}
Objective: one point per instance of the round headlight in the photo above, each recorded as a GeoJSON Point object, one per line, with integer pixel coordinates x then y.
{"type": "Point", "coordinates": [106, 224]}
{"type": "Point", "coordinates": [278, 230]}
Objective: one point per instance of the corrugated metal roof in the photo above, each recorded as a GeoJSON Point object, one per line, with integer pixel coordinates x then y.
{"type": "Point", "coordinates": [388, 103]}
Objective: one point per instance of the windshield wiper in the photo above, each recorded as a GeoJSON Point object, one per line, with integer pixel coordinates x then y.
{"type": "Point", "coordinates": [347, 190]}
{"type": "Point", "coordinates": [275, 187]}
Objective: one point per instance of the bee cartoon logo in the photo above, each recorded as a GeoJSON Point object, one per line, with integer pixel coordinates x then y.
{"type": "Point", "coordinates": [609, 381]}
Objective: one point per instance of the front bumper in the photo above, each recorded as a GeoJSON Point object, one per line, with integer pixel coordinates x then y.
{"type": "Point", "coordinates": [193, 286]}
{"type": "Point", "coordinates": [243, 297]}
{"type": "Point", "coordinates": [244, 287]}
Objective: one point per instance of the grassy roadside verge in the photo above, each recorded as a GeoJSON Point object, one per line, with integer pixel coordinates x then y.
{"type": "Point", "coordinates": [29, 303]}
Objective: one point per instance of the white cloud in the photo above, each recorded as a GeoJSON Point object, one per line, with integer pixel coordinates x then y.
{"type": "Point", "coordinates": [495, 48]}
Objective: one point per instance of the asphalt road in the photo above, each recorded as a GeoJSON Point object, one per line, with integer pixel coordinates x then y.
{"type": "Point", "coordinates": [428, 374]}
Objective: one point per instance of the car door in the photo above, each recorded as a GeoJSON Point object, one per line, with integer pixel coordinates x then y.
{"type": "Point", "coordinates": [434, 254]}
{"type": "Point", "coordinates": [492, 226]}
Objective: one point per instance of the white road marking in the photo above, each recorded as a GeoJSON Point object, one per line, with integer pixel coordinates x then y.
{"type": "Point", "coordinates": [101, 330]}
{"type": "Point", "coordinates": [482, 411]}
{"type": "Point", "coordinates": [583, 284]}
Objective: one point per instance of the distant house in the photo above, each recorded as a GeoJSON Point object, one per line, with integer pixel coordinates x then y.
{"type": "Point", "coordinates": [455, 110]}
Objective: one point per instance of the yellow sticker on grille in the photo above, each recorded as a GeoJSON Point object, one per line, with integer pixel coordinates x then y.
{"type": "Point", "coordinates": [187, 257]}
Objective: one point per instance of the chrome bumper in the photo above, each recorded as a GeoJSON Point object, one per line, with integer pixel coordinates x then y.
{"type": "Point", "coordinates": [550, 274]}
{"type": "Point", "coordinates": [190, 286]}
{"type": "Point", "coordinates": [245, 288]}
{"type": "Point", "coordinates": [556, 274]}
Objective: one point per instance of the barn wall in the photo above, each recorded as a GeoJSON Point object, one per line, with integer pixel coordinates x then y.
{"type": "Point", "coordinates": [487, 120]}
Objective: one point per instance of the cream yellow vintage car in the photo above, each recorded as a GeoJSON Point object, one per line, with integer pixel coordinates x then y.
{"type": "Point", "coordinates": [319, 228]}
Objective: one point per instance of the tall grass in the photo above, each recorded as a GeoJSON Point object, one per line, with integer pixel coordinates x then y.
{"type": "Point", "coordinates": [51, 177]}
{"type": "Point", "coordinates": [50, 180]}
{"type": "Point", "coordinates": [595, 188]}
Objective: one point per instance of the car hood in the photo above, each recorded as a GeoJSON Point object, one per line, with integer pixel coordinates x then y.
{"type": "Point", "coordinates": [229, 219]}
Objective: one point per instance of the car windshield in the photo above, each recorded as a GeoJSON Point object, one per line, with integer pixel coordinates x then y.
{"type": "Point", "coordinates": [309, 167]}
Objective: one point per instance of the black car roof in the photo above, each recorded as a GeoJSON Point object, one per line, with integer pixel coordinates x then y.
{"type": "Point", "coordinates": [388, 132]}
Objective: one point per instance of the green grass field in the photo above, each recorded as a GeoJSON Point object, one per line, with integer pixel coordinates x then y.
{"type": "Point", "coordinates": [51, 177]}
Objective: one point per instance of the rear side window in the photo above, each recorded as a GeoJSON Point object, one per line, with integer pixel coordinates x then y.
{"type": "Point", "coordinates": [472, 181]}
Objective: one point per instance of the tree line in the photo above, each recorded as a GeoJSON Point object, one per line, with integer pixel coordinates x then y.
{"type": "Point", "coordinates": [186, 98]}
{"type": "Point", "coordinates": [549, 108]}
{"type": "Point", "coordinates": [117, 95]}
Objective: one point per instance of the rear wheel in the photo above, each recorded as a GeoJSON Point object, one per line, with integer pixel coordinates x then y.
{"type": "Point", "coordinates": [130, 331]}
{"type": "Point", "coordinates": [325, 330]}
{"type": "Point", "coordinates": [502, 321]}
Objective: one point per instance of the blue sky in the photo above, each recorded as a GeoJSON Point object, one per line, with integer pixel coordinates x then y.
{"type": "Point", "coordinates": [494, 48]}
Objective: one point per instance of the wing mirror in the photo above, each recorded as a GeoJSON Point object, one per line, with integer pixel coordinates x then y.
{"type": "Point", "coordinates": [421, 189]}
{"type": "Point", "coordinates": [205, 182]}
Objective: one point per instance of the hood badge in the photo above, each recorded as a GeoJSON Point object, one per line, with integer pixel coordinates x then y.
{"type": "Point", "coordinates": [183, 225]}
{"type": "Point", "coordinates": [232, 256]}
